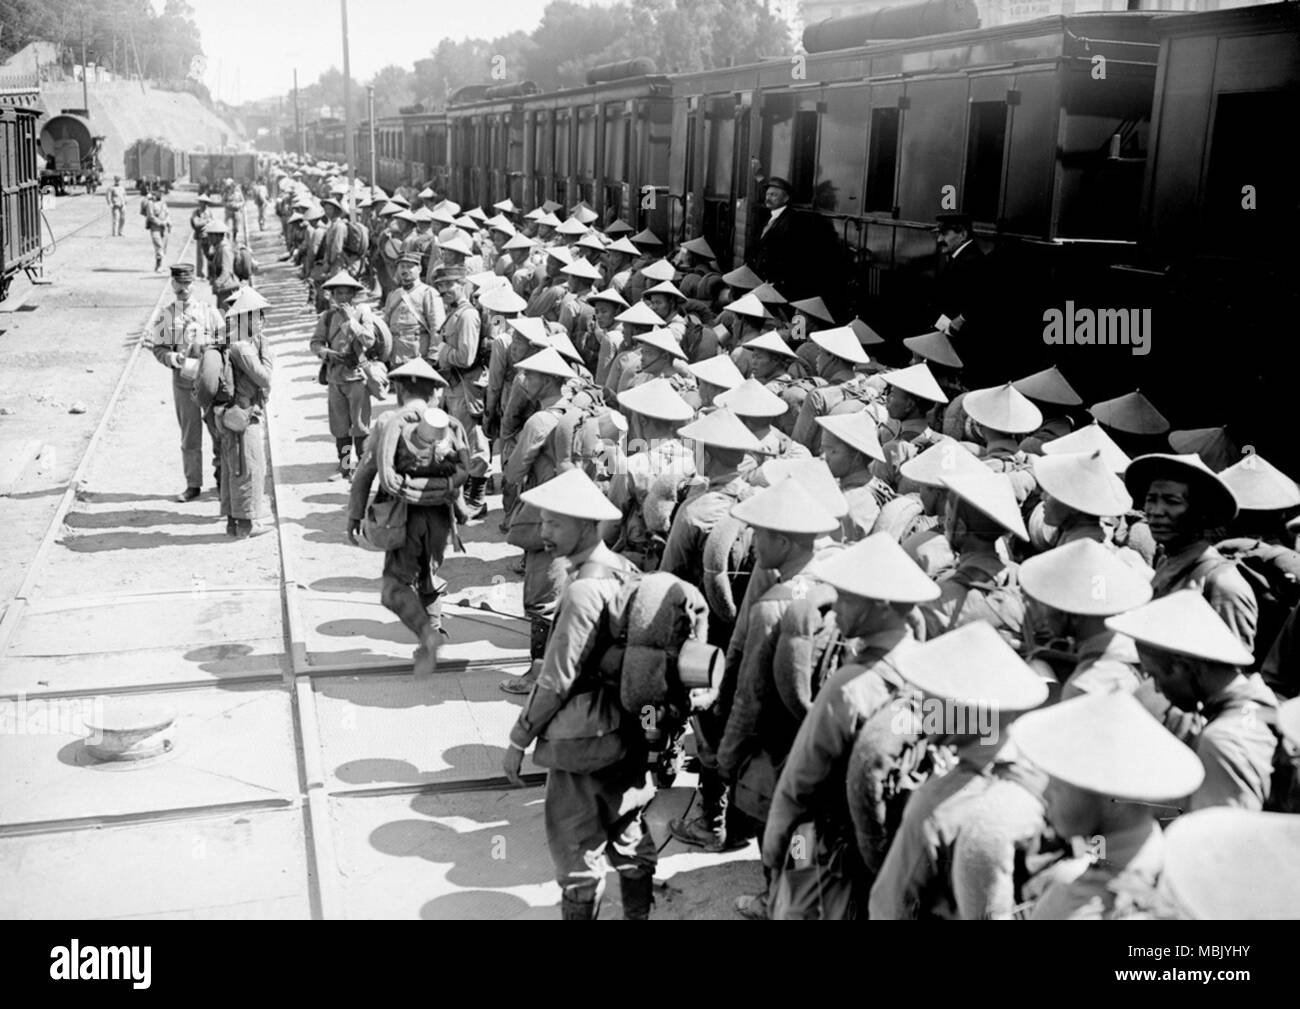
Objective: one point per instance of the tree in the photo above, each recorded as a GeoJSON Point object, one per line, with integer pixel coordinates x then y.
{"type": "Point", "coordinates": [394, 87]}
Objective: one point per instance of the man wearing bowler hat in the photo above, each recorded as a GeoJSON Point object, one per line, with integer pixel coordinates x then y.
{"type": "Point", "coordinates": [792, 247]}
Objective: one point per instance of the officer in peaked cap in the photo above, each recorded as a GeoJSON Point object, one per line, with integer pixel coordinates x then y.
{"type": "Point", "coordinates": [978, 686]}
{"type": "Point", "coordinates": [597, 787]}
{"type": "Point", "coordinates": [1186, 506]}
{"type": "Point", "coordinates": [414, 312]}
{"type": "Point", "coordinates": [1199, 664]}
{"type": "Point", "coordinates": [1112, 770]}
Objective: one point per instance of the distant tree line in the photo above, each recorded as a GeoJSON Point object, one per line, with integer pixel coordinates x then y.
{"type": "Point", "coordinates": [127, 37]}
{"type": "Point", "coordinates": [680, 36]}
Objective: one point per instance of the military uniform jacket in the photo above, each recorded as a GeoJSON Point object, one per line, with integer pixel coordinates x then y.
{"type": "Point", "coordinates": [706, 504]}
{"type": "Point", "coordinates": [759, 718]}
{"type": "Point", "coordinates": [1106, 662]}
{"type": "Point", "coordinates": [332, 257]}
{"type": "Point", "coordinates": [1114, 886]}
{"type": "Point", "coordinates": [350, 336]}
{"type": "Point", "coordinates": [820, 401]}
{"type": "Point", "coordinates": [812, 782]}
{"type": "Point", "coordinates": [1200, 566]}
{"type": "Point", "coordinates": [537, 453]}
{"type": "Point", "coordinates": [1236, 746]}
{"type": "Point", "coordinates": [1009, 818]}
{"type": "Point", "coordinates": [156, 216]}
{"type": "Point", "coordinates": [251, 363]}
{"type": "Point", "coordinates": [608, 343]}
{"type": "Point", "coordinates": [863, 494]}
{"type": "Point", "coordinates": [415, 317]}
{"type": "Point", "coordinates": [186, 328]}
{"type": "Point", "coordinates": [458, 356]}
{"type": "Point", "coordinates": [221, 268]}
{"type": "Point", "coordinates": [589, 621]}
{"type": "Point", "coordinates": [915, 880]}
{"type": "Point", "coordinates": [981, 587]}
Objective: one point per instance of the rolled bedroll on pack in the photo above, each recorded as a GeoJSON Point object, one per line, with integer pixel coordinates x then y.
{"type": "Point", "coordinates": [805, 648]}
{"type": "Point", "coordinates": [665, 613]}
{"type": "Point", "coordinates": [727, 566]}
{"type": "Point", "coordinates": [904, 21]}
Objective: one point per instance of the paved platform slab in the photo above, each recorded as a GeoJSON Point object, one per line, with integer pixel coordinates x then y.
{"type": "Point", "coordinates": [114, 642]}
{"type": "Point", "coordinates": [483, 855]}
{"type": "Point", "coordinates": [233, 744]}
{"type": "Point", "coordinates": [240, 866]}
{"type": "Point", "coordinates": [380, 729]}
{"type": "Point", "coordinates": [346, 629]}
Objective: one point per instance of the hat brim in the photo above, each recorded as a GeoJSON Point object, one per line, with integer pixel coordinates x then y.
{"type": "Point", "coordinates": [1213, 498]}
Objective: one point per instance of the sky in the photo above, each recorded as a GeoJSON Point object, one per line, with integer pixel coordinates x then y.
{"type": "Point", "coordinates": [252, 46]}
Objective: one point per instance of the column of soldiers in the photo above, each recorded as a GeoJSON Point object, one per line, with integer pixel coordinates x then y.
{"type": "Point", "coordinates": [962, 633]}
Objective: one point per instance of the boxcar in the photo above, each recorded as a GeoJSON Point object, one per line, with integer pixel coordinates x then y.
{"type": "Point", "coordinates": [20, 181]}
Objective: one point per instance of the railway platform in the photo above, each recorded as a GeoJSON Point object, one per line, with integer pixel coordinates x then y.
{"type": "Point", "coordinates": [311, 775]}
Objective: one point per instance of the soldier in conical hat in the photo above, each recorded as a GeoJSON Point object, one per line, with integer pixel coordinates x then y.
{"type": "Point", "coordinates": [656, 452]}
{"type": "Point", "coordinates": [911, 396]}
{"type": "Point", "coordinates": [759, 408]}
{"type": "Point", "coordinates": [981, 508]}
{"type": "Point", "coordinates": [1232, 865]}
{"type": "Point", "coordinates": [597, 787]}
{"type": "Point", "coordinates": [973, 687]}
{"type": "Point", "coordinates": [713, 375]}
{"type": "Point", "coordinates": [1187, 506]}
{"type": "Point", "coordinates": [877, 587]}
{"type": "Point", "coordinates": [1071, 590]}
{"type": "Point", "coordinates": [839, 355]}
{"type": "Point", "coordinates": [760, 723]}
{"type": "Point", "coordinates": [721, 441]}
{"type": "Point", "coordinates": [1199, 664]}
{"type": "Point", "coordinates": [1113, 769]}
{"type": "Point", "coordinates": [850, 443]}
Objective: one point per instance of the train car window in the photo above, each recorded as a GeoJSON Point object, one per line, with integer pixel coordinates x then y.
{"type": "Point", "coordinates": [882, 159]}
{"type": "Point", "coordinates": [985, 142]}
{"type": "Point", "coordinates": [777, 141]}
{"type": "Point", "coordinates": [1242, 154]}
{"type": "Point", "coordinates": [722, 147]}
{"type": "Point", "coordinates": [842, 150]}
{"type": "Point", "coordinates": [803, 160]}
{"type": "Point", "coordinates": [616, 140]}
{"type": "Point", "coordinates": [562, 144]}
{"type": "Point", "coordinates": [657, 143]}
{"type": "Point", "coordinates": [586, 142]}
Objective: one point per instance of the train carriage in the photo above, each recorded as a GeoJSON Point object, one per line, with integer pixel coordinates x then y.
{"type": "Point", "coordinates": [20, 181]}
{"type": "Point", "coordinates": [605, 143]}
{"type": "Point", "coordinates": [1036, 129]}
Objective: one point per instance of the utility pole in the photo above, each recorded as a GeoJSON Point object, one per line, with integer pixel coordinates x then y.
{"type": "Point", "coordinates": [370, 111]}
{"type": "Point", "coordinates": [297, 125]}
{"type": "Point", "coordinates": [85, 94]}
{"type": "Point", "coordinates": [349, 141]}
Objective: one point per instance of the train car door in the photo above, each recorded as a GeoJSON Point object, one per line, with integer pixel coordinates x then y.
{"type": "Point", "coordinates": [654, 125]}
{"type": "Point", "coordinates": [681, 167]}
{"type": "Point", "coordinates": [616, 120]}
{"type": "Point", "coordinates": [563, 158]}
{"type": "Point", "coordinates": [514, 179]}
{"type": "Point", "coordinates": [585, 154]}
{"type": "Point", "coordinates": [716, 220]}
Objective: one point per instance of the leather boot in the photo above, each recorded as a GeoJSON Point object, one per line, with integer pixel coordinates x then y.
{"type": "Point", "coordinates": [710, 830]}
{"type": "Point", "coordinates": [577, 910]}
{"type": "Point", "coordinates": [638, 895]}
{"type": "Point", "coordinates": [475, 493]}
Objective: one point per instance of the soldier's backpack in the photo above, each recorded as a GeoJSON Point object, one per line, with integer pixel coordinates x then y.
{"type": "Point", "coordinates": [358, 239]}
{"type": "Point", "coordinates": [997, 602]}
{"type": "Point", "coordinates": [579, 438]}
{"type": "Point", "coordinates": [382, 349]}
{"type": "Point", "coordinates": [243, 263]}
{"type": "Point", "coordinates": [215, 384]}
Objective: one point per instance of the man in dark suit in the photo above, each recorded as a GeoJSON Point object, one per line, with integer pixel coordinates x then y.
{"type": "Point", "coordinates": [961, 296]}
{"type": "Point", "coordinates": [795, 250]}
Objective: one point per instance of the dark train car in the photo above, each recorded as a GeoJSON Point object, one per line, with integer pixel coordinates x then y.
{"type": "Point", "coordinates": [605, 143]}
{"type": "Point", "coordinates": [152, 161]}
{"type": "Point", "coordinates": [426, 149]}
{"type": "Point", "coordinates": [70, 149]}
{"type": "Point", "coordinates": [1036, 129]}
{"type": "Point", "coordinates": [210, 170]}
{"type": "Point", "coordinates": [1218, 259]}
{"type": "Point", "coordinates": [20, 181]}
